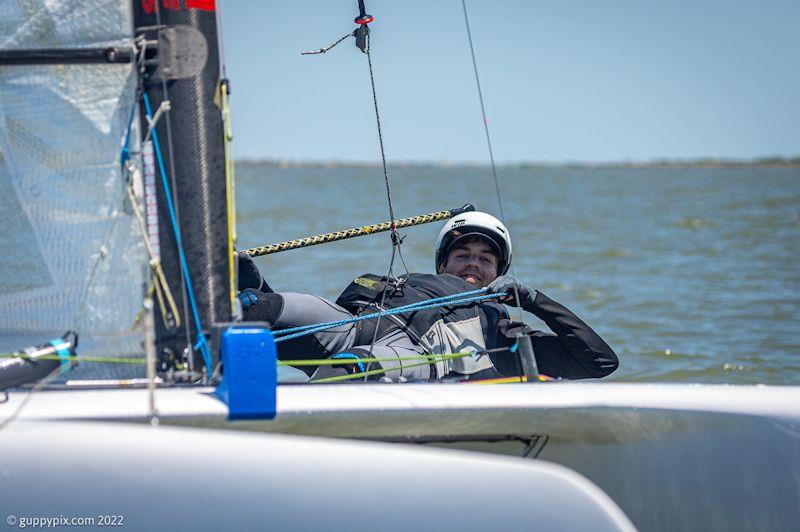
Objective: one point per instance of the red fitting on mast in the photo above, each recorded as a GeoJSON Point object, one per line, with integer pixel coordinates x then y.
{"type": "Point", "coordinates": [362, 19]}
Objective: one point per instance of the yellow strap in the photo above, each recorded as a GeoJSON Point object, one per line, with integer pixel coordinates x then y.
{"type": "Point", "coordinates": [230, 190]}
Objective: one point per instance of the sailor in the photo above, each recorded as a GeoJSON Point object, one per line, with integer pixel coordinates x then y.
{"type": "Point", "coordinates": [473, 250]}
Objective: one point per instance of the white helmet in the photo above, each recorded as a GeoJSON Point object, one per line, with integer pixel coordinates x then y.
{"type": "Point", "coordinates": [471, 224]}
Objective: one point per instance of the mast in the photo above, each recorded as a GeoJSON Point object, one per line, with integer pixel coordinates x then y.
{"type": "Point", "coordinates": [190, 136]}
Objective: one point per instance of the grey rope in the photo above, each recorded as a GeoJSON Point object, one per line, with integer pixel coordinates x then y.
{"type": "Point", "coordinates": [483, 111]}
{"type": "Point", "coordinates": [325, 49]}
{"type": "Point", "coordinates": [488, 139]}
{"type": "Point", "coordinates": [380, 141]}
{"type": "Point", "coordinates": [396, 240]}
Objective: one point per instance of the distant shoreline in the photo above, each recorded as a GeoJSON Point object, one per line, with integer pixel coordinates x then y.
{"type": "Point", "coordinates": [767, 162]}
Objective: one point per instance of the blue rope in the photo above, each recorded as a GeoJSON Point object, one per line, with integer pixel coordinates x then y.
{"type": "Point", "coordinates": [310, 329]}
{"type": "Point", "coordinates": [410, 306]}
{"type": "Point", "coordinates": [125, 153]}
{"type": "Point", "coordinates": [353, 357]}
{"type": "Point", "coordinates": [202, 342]}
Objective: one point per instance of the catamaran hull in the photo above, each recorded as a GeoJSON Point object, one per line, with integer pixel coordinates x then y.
{"type": "Point", "coordinates": [171, 478]}
{"type": "Point", "coordinates": [692, 457]}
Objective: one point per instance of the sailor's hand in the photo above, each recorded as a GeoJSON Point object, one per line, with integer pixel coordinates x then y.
{"type": "Point", "coordinates": [513, 288]}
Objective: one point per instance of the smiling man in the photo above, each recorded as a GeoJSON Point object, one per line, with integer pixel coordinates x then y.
{"type": "Point", "coordinates": [474, 246]}
{"type": "Point", "coordinates": [473, 251]}
{"type": "Point", "coordinates": [475, 261]}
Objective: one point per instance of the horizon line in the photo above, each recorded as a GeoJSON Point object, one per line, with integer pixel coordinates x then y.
{"type": "Point", "coordinates": [666, 162]}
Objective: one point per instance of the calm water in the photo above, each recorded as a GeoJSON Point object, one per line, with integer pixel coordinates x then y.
{"type": "Point", "coordinates": [691, 275]}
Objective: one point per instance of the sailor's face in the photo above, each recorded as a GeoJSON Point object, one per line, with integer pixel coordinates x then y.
{"type": "Point", "coordinates": [475, 262]}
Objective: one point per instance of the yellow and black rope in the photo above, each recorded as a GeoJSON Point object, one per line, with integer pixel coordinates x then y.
{"type": "Point", "coordinates": [356, 231]}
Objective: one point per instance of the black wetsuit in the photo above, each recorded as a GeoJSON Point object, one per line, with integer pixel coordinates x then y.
{"type": "Point", "coordinates": [572, 351]}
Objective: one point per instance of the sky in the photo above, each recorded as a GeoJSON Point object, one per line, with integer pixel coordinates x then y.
{"type": "Point", "coordinates": [566, 81]}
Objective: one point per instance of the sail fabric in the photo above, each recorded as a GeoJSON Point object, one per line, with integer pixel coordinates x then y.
{"type": "Point", "coordinates": [72, 255]}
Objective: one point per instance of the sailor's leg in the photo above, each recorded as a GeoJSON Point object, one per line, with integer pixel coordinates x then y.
{"type": "Point", "coordinates": [290, 309]}
{"type": "Point", "coordinates": [305, 309]}
{"type": "Point", "coordinates": [400, 357]}
{"type": "Point", "coordinates": [397, 353]}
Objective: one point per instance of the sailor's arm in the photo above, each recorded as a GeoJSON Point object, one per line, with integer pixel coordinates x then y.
{"type": "Point", "coordinates": [575, 351]}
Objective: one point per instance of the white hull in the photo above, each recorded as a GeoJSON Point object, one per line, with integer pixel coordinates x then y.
{"type": "Point", "coordinates": [171, 478]}
{"type": "Point", "coordinates": [673, 456]}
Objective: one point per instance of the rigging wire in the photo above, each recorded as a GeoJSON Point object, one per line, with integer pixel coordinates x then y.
{"type": "Point", "coordinates": [395, 247]}
{"type": "Point", "coordinates": [483, 111]}
{"type": "Point", "coordinates": [488, 140]}
{"type": "Point", "coordinates": [363, 20]}
{"type": "Point", "coordinates": [395, 237]}
{"type": "Point", "coordinates": [383, 152]}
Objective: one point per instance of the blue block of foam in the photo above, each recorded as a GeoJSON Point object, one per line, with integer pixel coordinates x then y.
{"type": "Point", "coordinates": [250, 374]}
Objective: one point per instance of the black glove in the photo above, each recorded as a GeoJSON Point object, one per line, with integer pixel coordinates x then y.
{"type": "Point", "coordinates": [510, 285]}
{"type": "Point", "coordinates": [249, 276]}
